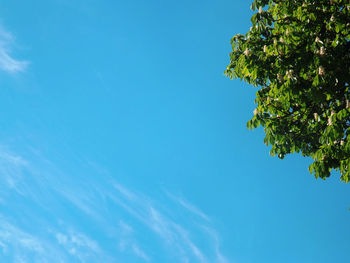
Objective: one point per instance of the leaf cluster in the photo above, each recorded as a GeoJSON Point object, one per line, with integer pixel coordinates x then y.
{"type": "Point", "coordinates": [297, 53]}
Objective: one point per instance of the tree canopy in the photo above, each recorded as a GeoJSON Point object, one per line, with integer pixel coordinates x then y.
{"type": "Point", "coordinates": [297, 53]}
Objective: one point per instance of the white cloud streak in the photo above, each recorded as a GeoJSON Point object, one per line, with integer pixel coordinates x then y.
{"type": "Point", "coordinates": [220, 258]}
{"type": "Point", "coordinates": [127, 242]}
{"type": "Point", "coordinates": [173, 234]}
{"type": "Point", "coordinates": [190, 207]}
{"type": "Point", "coordinates": [11, 167]}
{"type": "Point", "coordinates": [97, 198]}
{"type": "Point", "coordinates": [7, 62]}
{"type": "Point", "coordinates": [79, 245]}
{"type": "Point", "coordinates": [141, 254]}
{"type": "Point", "coordinates": [22, 246]}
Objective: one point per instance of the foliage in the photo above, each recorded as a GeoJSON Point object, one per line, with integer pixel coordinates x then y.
{"type": "Point", "coordinates": [298, 54]}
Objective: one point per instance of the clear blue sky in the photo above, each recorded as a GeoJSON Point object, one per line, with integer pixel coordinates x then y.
{"type": "Point", "coordinates": [122, 141]}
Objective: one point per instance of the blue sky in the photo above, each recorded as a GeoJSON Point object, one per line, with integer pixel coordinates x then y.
{"type": "Point", "coordinates": [122, 141]}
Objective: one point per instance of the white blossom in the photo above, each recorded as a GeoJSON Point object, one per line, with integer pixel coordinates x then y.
{"type": "Point", "coordinates": [318, 40]}
{"type": "Point", "coordinates": [255, 112]}
{"type": "Point", "coordinates": [322, 51]}
{"type": "Point", "coordinates": [330, 121]}
{"type": "Point", "coordinates": [317, 118]}
{"type": "Point", "coordinates": [260, 10]}
{"type": "Point", "coordinates": [321, 71]}
{"type": "Point", "coordinates": [247, 52]}
{"type": "Point", "coordinates": [289, 73]}
{"type": "Point", "coordinates": [279, 77]}
{"type": "Point", "coordinates": [265, 49]}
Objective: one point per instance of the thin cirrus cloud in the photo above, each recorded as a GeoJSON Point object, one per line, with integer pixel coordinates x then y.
{"type": "Point", "coordinates": [17, 245]}
{"type": "Point", "coordinates": [191, 208]}
{"type": "Point", "coordinates": [87, 215]}
{"type": "Point", "coordinates": [128, 243]}
{"type": "Point", "coordinates": [79, 246]}
{"type": "Point", "coordinates": [8, 63]}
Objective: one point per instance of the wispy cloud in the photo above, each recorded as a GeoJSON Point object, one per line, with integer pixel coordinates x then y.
{"type": "Point", "coordinates": [128, 242]}
{"type": "Point", "coordinates": [126, 217]}
{"type": "Point", "coordinates": [7, 62]}
{"type": "Point", "coordinates": [11, 169]}
{"type": "Point", "coordinates": [190, 244]}
{"type": "Point", "coordinates": [138, 252]}
{"type": "Point", "coordinates": [220, 258]}
{"type": "Point", "coordinates": [20, 246]}
{"type": "Point", "coordinates": [125, 192]}
{"type": "Point", "coordinates": [173, 233]}
{"type": "Point", "coordinates": [190, 207]}
{"type": "Point", "coordinates": [79, 245]}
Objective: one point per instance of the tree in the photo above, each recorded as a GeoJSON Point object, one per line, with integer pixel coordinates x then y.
{"type": "Point", "coordinates": [298, 55]}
